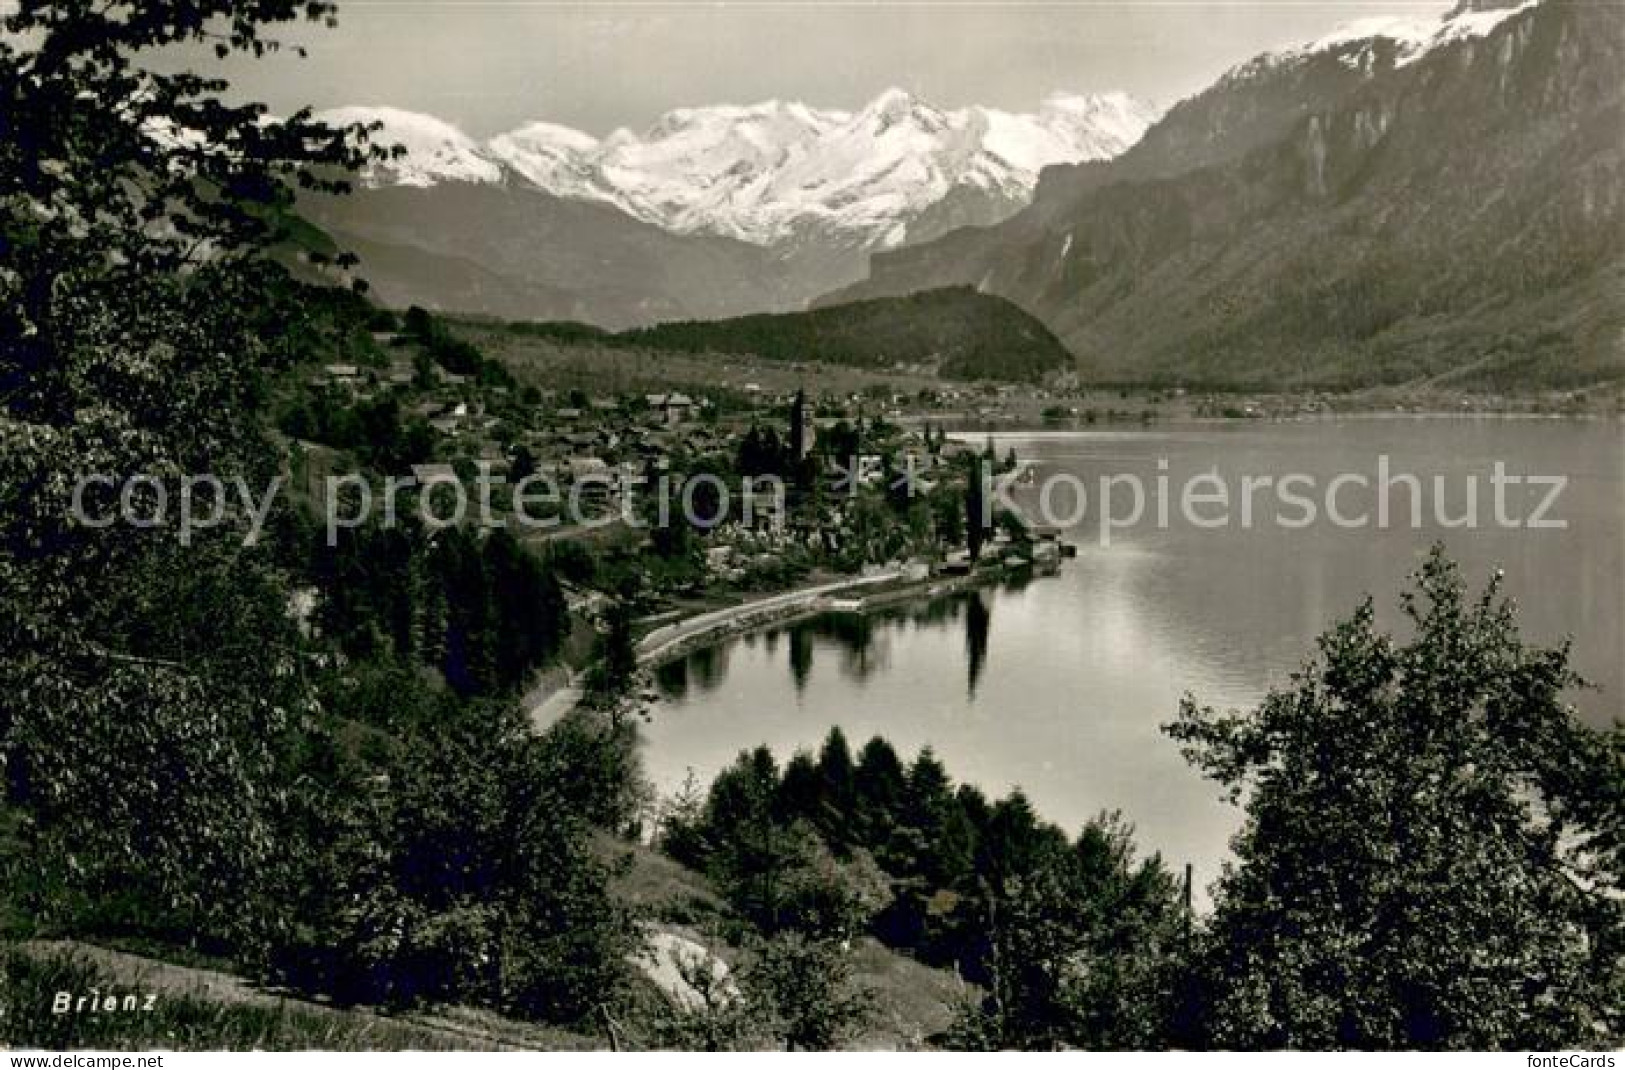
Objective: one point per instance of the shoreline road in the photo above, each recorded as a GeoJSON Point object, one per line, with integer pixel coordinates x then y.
{"type": "Point", "coordinates": [546, 709]}
{"type": "Point", "coordinates": [663, 640]}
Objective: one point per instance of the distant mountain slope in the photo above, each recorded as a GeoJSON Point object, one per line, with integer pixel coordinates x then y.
{"type": "Point", "coordinates": [957, 333]}
{"type": "Point", "coordinates": [400, 276]}
{"type": "Point", "coordinates": [1405, 200]}
{"type": "Point", "coordinates": [519, 253]}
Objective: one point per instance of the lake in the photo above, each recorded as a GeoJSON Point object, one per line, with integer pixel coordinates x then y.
{"type": "Point", "coordinates": [1059, 685]}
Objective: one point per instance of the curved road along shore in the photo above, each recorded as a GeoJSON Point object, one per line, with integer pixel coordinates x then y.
{"type": "Point", "coordinates": [665, 641]}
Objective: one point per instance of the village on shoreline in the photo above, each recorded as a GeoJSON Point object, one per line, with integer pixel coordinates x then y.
{"type": "Point", "coordinates": [854, 447]}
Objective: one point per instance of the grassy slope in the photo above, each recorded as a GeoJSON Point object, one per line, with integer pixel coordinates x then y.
{"type": "Point", "coordinates": [204, 1008]}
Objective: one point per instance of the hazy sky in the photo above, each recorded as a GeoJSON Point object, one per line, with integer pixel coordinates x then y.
{"type": "Point", "coordinates": [488, 65]}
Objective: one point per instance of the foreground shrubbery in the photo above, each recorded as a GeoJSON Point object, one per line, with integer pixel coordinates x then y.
{"type": "Point", "coordinates": [480, 609]}
{"type": "Point", "coordinates": [1072, 939]}
{"type": "Point", "coordinates": [1434, 853]}
{"type": "Point", "coordinates": [793, 991]}
{"type": "Point", "coordinates": [178, 1022]}
{"type": "Point", "coordinates": [454, 863]}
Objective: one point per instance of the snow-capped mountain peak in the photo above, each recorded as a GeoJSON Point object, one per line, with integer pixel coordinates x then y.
{"type": "Point", "coordinates": [545, 154]}
{"type": "Point", "coordinates": [777, 170]}
{"type": "Point", "coordinates": [436, 151]}
{"type": "Point", "coordinates": [897, 106]}
{"type": "Point", "coordinates": [1411, 36]}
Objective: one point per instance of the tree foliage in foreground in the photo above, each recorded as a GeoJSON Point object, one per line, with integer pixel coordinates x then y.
{"type": "Point", "coordinates": [452, 860]}
{"type": "Point", "coordinates": [1433, 850]}
{"type": "Point", "coordinates": [147, 687]}
{"type": "Point", "coordinates": [179, 762]}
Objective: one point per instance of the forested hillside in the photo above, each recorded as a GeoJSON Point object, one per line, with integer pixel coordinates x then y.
{"type": "Point", "coordinates": [956, 333]}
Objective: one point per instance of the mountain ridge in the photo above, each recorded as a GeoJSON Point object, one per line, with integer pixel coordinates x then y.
{"type": "Point", "coordinates": [519, 253]}
{"type": "Point", "coordinates": [1368, 214]}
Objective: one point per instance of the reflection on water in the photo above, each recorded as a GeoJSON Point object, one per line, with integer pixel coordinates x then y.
{"type": "Point", "coordinates": [1060, 686]}
{"type": "Point", "coordinates": [977, 620]}
{"type": "Point", "coordinates": [857, 644]}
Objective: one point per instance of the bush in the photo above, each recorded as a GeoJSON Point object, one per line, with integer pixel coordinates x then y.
{"type": "Point", "coordinates": [460, 868]}
{"type": "Point", "coordinates": [1432, 856]}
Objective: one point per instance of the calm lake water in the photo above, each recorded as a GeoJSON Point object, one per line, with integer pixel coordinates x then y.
{"type": "Point", "coordinates": [1060, 685]}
